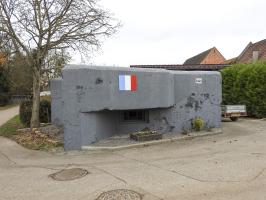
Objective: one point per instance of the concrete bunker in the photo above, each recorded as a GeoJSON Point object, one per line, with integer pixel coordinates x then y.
{"type": "Point", "coordinates": [93, 103]}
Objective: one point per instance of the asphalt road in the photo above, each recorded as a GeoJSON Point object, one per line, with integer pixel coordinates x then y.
{"type": "Point", "coordinates": [221, 167]}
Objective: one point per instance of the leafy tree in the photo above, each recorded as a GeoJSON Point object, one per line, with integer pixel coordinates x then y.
{"type": "Point", "coordinates": [54, 63]}
{"type": "Point", "coordinates": [36, 27]}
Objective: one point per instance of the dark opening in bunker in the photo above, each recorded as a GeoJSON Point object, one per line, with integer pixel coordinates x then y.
{"type": "Point", "coordinates": [135, 116]}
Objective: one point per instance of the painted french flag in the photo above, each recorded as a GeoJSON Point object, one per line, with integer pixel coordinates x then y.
{"type": "Point", "coordinates": [127, 82]}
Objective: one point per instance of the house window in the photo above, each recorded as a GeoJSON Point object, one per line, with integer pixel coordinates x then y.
{"type": "Point", "coordinates": [135, 116]}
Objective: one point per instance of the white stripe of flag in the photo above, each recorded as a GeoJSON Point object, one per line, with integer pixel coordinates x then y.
{"type": "Point", "coordinates": [127, 82]}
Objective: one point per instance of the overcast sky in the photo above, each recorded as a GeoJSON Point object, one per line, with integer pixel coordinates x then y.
{"type": "Point", "coordinates": [170, 31]}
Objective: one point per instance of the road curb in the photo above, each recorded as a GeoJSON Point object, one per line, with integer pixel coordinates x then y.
{"type": "Point", "coordinates": [155, 142]}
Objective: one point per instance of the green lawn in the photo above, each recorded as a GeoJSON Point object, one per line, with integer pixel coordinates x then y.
{"type": "Point", "coordinates": [10, 127]}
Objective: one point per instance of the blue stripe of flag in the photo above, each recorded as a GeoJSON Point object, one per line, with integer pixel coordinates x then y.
{"type": "Point", "coordinates": [122, 82]}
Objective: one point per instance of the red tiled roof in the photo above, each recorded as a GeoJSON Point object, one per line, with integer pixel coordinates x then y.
{"type": "Point", "coordinates": [211, 56]}
{"type": "Point", "coordinates": [247, 55]}
{"type": "Point", "coordinates": [230, 61]}
{"type": "Point", "coordinates": [198, 58]}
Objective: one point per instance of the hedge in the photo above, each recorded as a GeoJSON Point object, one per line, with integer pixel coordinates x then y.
{"type": "Point", "coordinates": [26, 108]}
{"type": "Point", "coordinates": [4, 99]}
{"type": "Point", "coordinates": [246, 84]}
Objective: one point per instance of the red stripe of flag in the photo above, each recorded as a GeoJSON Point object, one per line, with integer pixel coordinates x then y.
{"type": "Point", "coordinates": [133, 83]}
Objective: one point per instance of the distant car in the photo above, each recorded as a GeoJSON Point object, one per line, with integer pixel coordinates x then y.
{"type": "Point", "coordinates": [45, 93]}
{"type": "Point", "coordinates": [234, 111]}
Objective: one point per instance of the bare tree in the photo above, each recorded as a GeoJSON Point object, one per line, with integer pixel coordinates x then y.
{"type": "Point", "coordinates": [53, 65]}
{"type": "Point", "coordinates": [36, 27]}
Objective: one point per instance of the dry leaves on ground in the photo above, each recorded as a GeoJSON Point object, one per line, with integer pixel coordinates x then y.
{"type": "Point", "coordinates": [36, 140]}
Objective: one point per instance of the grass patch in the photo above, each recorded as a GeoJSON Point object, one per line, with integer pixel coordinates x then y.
{"type": "Point", "coordinates": [32, 140]}
{"type": "Point", "coordinates": [8, 106]}
{"type": "Point", "coordinates": [9, 128]}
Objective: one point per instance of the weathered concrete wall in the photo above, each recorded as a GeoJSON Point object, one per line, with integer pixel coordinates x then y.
{"type": "Point", "coordinates": [97, 125]}
{"type": "Point", "coordinates": [191, 100]}
{"type": "Point", "coordinates": [194, 99]}
{"type": "Point", "coordinates": [93, 102]}
{"type": "Point", "coordinates": [96, 89]}
{"type": "Point", "coordinates": [57, 101]}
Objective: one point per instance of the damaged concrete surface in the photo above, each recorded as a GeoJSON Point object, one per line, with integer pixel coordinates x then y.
{"type": "Point", "coordinates": [227, 166]}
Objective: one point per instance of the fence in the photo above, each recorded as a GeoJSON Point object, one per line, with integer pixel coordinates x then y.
{"type": "Point", "coordinates": [20, 98]}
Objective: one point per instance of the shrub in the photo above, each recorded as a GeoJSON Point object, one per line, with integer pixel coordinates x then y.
{"type": "Point", "coordinates": [198, 124]}
{"type": "Point", "coordinates": [4, 86]}
{"type": "Point", "coordinates": [26, 108]}
{"type": "Point", "coordinates": [4, 79]}
{"type": "Point", "coordinates": [230, 76]}
{"type": "Point", "coordinates": [45, 111]}
{"type": "Point", "coordinates": [25, 112]}
{"type": "Point", "coordinates": [4, 99]}
{"type": "Point", "coordinates": [256, 90]}
{"type": "Point", "coordinates": [246, 84]}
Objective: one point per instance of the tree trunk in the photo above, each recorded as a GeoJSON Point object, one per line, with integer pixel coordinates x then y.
{"type": "Point", "coordinates": [35, 119]}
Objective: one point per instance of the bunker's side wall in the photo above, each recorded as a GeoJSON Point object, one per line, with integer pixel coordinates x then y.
{"type": "Point", "coordinates": [197, 94]}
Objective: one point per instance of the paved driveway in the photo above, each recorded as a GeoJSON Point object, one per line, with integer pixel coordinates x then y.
{"type": "Point", "coordinates": [227, 166]}
{"type": "Point", "coordinates": [7, 114]}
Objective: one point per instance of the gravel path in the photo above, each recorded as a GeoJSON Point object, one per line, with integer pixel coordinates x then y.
{"type": "Point", "coordinates": [7, 114]}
